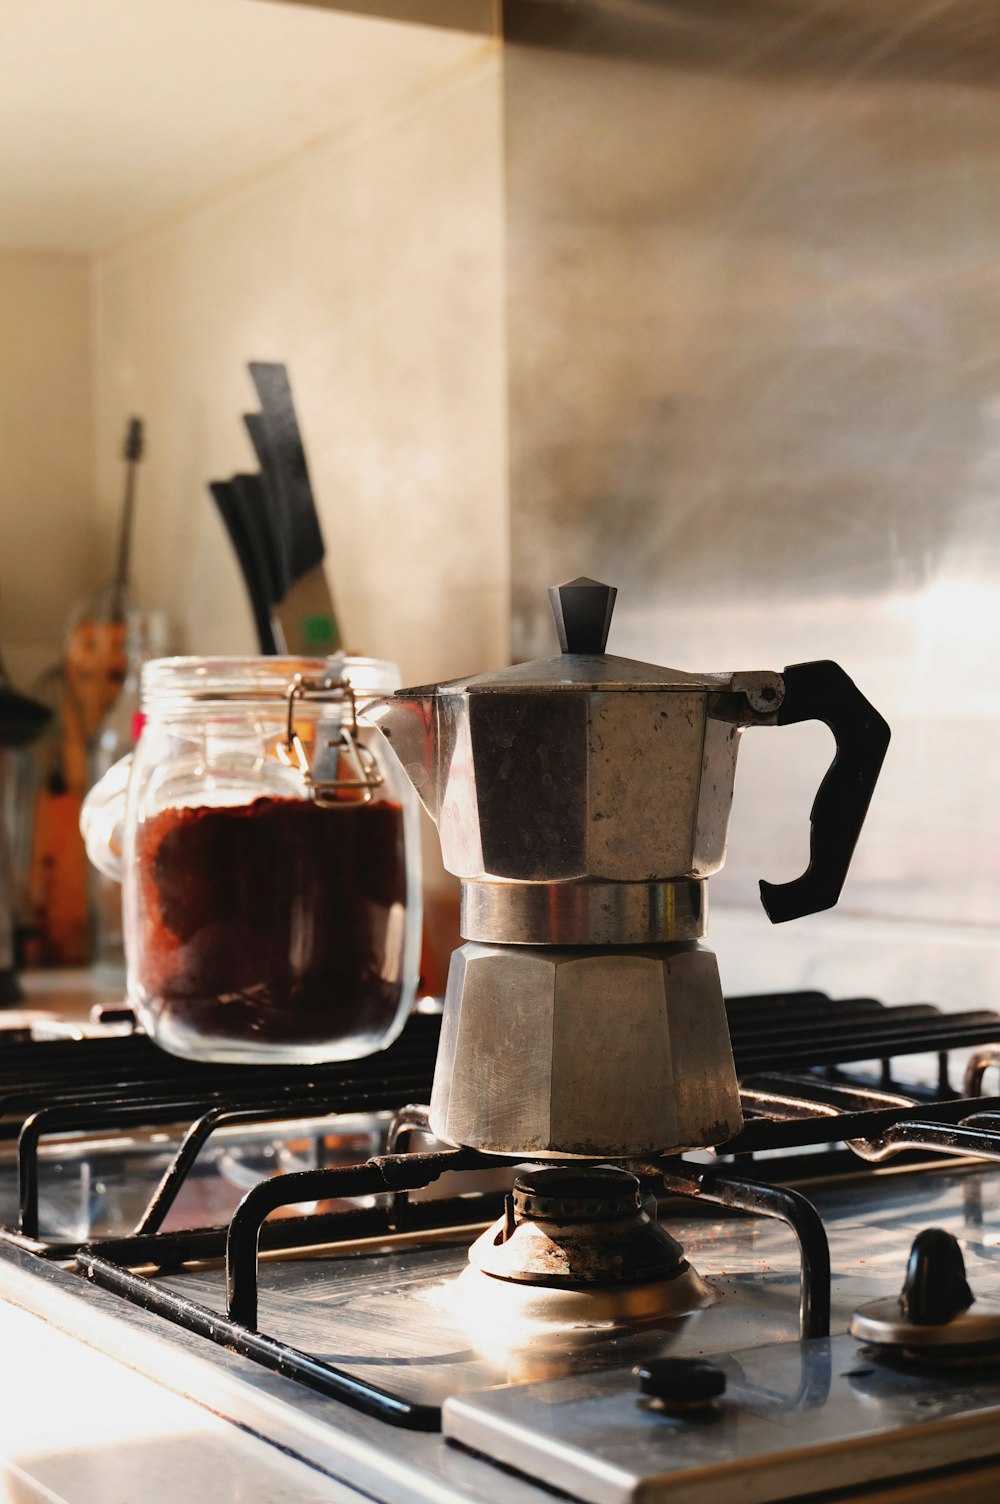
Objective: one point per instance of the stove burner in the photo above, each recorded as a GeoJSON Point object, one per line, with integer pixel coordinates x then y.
{"type": "Point", "coordinates": [571, 1229]}
{"type": "Point", "coordinates": [591, 1195]}
{"type": "Point", "coordinates": [575, 1248]}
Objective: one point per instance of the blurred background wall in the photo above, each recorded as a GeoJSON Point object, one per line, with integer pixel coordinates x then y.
{"type": "Point", "coordinates": [371, 263]}
{"type": "Point", "coordinates": [754, 356]}
{"type": "Point", "coordinates": [48, 547]}
{"type": "Point", "coordinates": [188, 185]}
{"type": "Point", "coordinates": [696, 296]}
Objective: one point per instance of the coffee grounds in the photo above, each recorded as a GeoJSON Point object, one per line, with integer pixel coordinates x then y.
{"type": "Point", "coordinates": [268, 923]}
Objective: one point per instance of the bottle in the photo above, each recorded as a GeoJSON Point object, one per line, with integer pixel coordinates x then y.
{"type": "Point", "coordinates": [146, 637]}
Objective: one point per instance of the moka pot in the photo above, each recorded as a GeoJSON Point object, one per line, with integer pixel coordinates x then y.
{"type": "Point", "coordinates": [584, 801]}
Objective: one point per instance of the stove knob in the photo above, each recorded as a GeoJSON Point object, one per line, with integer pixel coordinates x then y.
{"type": "Point", "coordinates": [681, 1382]}
{"type": "Point", "coordinates": [935, 1289]}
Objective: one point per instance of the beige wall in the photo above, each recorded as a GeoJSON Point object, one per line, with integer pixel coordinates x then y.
{"type": "Point", "coordinates": [47, 553]}
{"type": "Point", "coordinates": [371, 263]}
{"type": "Point", "coordinates": [372, 266]}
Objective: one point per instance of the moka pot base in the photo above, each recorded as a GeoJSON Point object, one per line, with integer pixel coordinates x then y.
{"type": "Point", "coordinates": [607, 1052]}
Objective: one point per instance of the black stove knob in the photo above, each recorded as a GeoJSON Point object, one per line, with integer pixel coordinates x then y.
{"type": "Point", "coordinates": [683, 1382]}
{"type": "Point", "coordinates": [935, 1289]}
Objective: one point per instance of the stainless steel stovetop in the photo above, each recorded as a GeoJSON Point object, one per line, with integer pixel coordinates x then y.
{"type": "Point", "coordinates": [521, 1412]}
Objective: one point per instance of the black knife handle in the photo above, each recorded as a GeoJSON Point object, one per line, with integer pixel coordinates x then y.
{"type": "Point", "coordinates": [271, 494]}
{"type": "Point", "coordinates": [821, 691]}
{"type": "Point", "coordinates": [235, 525]}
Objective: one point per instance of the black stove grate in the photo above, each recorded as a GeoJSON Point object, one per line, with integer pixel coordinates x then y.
{"type": "Point", "coordinates": [789, 1031]}
{"type": "Point", "coordinates": [130, 1070]}
{"type": "Point", "coordinates": [792, 1053]}
{"type": "Point", "coordinates": [398, 1174]}
{"type": "Point", "coordinates": [126, 1084]}
{"type": "Point", "coordinates": [770, 1032]}
{"type": "Point", "coordinates": [943, 1127]}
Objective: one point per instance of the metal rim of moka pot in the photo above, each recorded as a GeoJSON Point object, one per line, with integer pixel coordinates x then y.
{"type": "Point", "coordinates": [292, 752]}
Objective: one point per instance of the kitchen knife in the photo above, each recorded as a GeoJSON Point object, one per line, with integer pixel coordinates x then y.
{"type": "Point", "coordinates": [233, 517]}
{"type": "Point", "coordinates": [267, 549]}
{"type": "Point", "coordinates": [307, 613]}
{"type": "Point", "coordinates": [271, 493]}
{"type": "Point", "coordinates": [291, 471]}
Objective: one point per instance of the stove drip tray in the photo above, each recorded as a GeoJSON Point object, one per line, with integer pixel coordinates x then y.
{"type": "Point", "coordinates": [575, 1250]}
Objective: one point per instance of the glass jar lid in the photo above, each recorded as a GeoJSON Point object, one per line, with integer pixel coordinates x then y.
{"type": "Point", "coordinates": [180, 682]}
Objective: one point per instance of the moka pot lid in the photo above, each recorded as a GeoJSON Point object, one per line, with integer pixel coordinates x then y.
{"type": "Point", "coordinates": [582, 609]}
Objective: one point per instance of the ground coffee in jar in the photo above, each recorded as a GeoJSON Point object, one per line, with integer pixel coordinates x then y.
{"type": "Point", "coordinates": [268, 849]}
{"type": "Point", "coordinates": [273, 921]}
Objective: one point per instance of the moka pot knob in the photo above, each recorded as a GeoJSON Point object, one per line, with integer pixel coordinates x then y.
{"type": "Point", "coordinates": [582, 609]}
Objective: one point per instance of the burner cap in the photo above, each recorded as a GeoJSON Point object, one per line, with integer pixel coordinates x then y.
{"type": "Point", "coordinates": [601, 1194]}
{"type": "Point", "coordinates": [577, 1227]}
{"type": "Point", "coordinates": [576, 1250]}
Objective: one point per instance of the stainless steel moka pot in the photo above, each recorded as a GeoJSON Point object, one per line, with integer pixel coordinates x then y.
{"type": "Point", "coordinates": [583, 801]}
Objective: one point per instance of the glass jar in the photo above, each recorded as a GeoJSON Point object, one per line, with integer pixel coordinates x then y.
{"type": "Point", "coordinates": [269, 855]}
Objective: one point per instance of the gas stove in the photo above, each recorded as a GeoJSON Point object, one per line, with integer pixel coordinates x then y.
{"type": "Point", "coordinates": [291, 1250]}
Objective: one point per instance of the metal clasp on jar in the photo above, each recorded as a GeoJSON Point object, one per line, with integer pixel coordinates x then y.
{"type": "Point", "coordinates": [293, 753]}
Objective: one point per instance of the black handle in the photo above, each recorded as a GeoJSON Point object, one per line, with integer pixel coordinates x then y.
{"type": "Point", "coordinates": [823, 692]}
{"type": "Point", "coordinates": [235, 524]}
{"type": "Point", "coordinates": [249, 493]}
{"type": "Point", "coordinates": [271, 495]}
{"type": "Point", "coordinates": [284, 441]}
